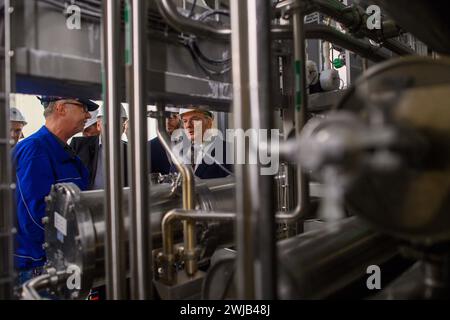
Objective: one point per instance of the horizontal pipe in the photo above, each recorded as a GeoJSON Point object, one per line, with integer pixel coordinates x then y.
{"type": "Point", "coordinates": [31, 288]}
{"type": "Point", "coordinates": [182, 24]}
{"type": "Point", "coordinates": [334, 36]}
{"type": "Point", "coordinates": [187, 215]}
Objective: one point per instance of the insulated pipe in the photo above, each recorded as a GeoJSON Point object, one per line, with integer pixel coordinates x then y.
{"type": "Point", "coordinates": [188, 190]}
{"type": "Point", "coordinates": [115, 246]}
{"type": "Point", "coordinates": [140, 235]}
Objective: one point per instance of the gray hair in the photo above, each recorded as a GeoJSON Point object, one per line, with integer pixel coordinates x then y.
{"type": "Point", "coordinates": [49, 109]}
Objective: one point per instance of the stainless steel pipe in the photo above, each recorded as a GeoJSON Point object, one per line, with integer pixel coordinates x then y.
{"type": "Point", "coordinates": [140, 235]}
{"type": "Point", "coordinates": [188, 191]}
{"type": "Point", "coordinates": [115, 246]}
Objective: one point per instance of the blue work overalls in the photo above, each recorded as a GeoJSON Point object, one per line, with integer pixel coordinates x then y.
{"type": "Point", "coordinates": [40, 161]}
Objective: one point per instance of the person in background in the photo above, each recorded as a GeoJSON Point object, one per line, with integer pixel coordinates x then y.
{"type": "Point", "coordinates": [160, 161]}
{"type": "Point", "coordinates": [17, 123]}
{"type": "Point", "coordinates": [42, 160]}
{"type": "Point", "coordinates": [91, 128]}
{"type": "Point", "coordinates": [90, 151]}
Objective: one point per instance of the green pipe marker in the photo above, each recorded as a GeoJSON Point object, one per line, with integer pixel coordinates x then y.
{"type": "Point", "coordinates": [127, 15]}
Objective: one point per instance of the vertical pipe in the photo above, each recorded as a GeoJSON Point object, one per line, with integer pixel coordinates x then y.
{"type": "Point", "coordinates": [114, 242]}
{"type": "Point", "coordinates": [188, 194]}
{"type": "Point", "coordinates": [301, 100]}
{"type": "Point", "coordinates": [261, 111]}
{"type": "Point", "coordinates": [255, 223]}
{"type": "Point", "coordinates": [241, 112]}
{"type": "Point", "coordinates": [6, 189]}
{"type": "Point", "coordinates": [140, 232]}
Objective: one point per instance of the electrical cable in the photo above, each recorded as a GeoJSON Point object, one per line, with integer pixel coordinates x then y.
{"type": "Point", "coordinates": [194, 5]}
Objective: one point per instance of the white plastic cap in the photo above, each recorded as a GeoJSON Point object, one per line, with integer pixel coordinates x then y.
{"type": "Point", "coordinates": [16, 115]}
{"type": "Point", "coordinates": [199, 109]}
{"type": "Point", "coordinates": [92, 119]}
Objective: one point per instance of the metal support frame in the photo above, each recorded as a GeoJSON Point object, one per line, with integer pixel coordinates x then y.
{"type": "Point", "coordinates": [6, 180]}
{"type": "Point", "coordinates": [255, 223]}
{"type": "Point", "coordinates": [141, 269]}
{"type": "Point", "coordinates": [115, 235]}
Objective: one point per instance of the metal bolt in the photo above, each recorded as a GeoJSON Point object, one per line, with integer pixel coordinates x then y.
{"type": "Point", "coordinates": [45, 220]}
{"type": "Point", "coordinates": [11, 10]}
{"type": "Point", "coordinates": [160, 270]}
{"type": "Point", "coordinates": [11, 53]}
{"type": "Point", "coordinates": [45, 245]}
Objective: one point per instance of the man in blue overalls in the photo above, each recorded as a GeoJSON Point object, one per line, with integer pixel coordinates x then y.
{"type": "Point", "coordinates": [41, 160]}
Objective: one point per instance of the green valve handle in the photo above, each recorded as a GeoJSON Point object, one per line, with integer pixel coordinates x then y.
{"type": "Point", "coordinates": [338, 63]}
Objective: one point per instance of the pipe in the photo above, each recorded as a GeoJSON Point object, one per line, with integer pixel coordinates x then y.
{"type": "Point", "coordinates": [169, 12]}
{"type": "Point", "coordinates": [115, 248]}
{"type": "Point", "coordinates": [30, 289]}
{"type": "Point", "coordinates": [185, 25]}
{"type": "Point", "coordinates": [187, 216]}
{"type": "Point", "coordinates": [262, 191]}
{"type": "Point", "coordinates": [326, 262]}
{"type": "Point", "coordinates": [349, 16]}
{"type": "Point", "coordinates": [140, 235]}
{"type": "Point", "coordinates": [7, 208]}
{"type": "Point", "coordinates": [188, 190]}
{"type": "Point", "coordinates": [353, 18]}
{"type": "Point", "coordinates": [301, 107]}
{"type": "Point", "coordinates": [241, 113]}
{"type": "Point", "coordinates": [334, 36]}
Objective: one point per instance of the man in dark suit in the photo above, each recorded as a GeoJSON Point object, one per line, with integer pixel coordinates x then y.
{"type": "Point", "coordinates": [90, 149]}
{"type": "Point", "coordinates": [206, 153]}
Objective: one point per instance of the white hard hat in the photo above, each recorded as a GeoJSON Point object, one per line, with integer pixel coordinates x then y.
{"type": "Point", "coordinates": [16, 115]}
{"type": "Point", "coordinates": [123, 112]}
{"type": "Point", "coordinates": [312, 73]}
{"type": "Point", "coordinates": [92, 119]}
{"type": "Point", "coordinates": [202, 109]}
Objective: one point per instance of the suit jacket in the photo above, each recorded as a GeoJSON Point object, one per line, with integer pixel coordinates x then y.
{"type": "Point", "coordinates": [86, 148]}
{"type": "Point", "coordinates": [218, 169]}
{"type": "Point", "coordinates": [159, 161]}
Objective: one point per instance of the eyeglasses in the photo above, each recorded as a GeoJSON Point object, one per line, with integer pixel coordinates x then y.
{"type": "Point", "coordinates": [85, 109]}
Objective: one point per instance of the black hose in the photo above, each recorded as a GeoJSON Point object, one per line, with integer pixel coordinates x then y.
{"type": "Point", "coordinates": [194, 5]}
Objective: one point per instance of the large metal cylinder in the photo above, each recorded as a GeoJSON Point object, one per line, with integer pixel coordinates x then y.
{"type": "Point", "coordinates": [75, 224]}
{"type": "Point", "coordinates": [318, 264]}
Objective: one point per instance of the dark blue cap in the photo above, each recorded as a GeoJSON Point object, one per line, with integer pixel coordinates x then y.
{"type": "Point", "coordinates": [45, 100]}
